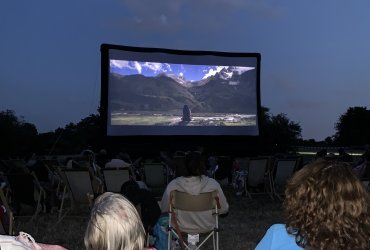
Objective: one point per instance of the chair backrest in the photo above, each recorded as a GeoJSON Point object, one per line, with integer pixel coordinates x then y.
{"type": "Point", "coordinates": [154, 176]}
{"type": "Point", "coordinates": [6, 220]}
{"type": "Point", "coordinates": [22, 188]}
{"type": "Point", "coordinates": [25, 188]}
{"type": "Point", "coordinates": [79, 183]}
{"type": "Point", "coordinates": [256, 171]}
{"type": "Point", "coordinates": [61, 175]}
{"type": "Point", "coordinates": [284, 169]}
{"type": "Point", "coordinates": [114, 178]}
{"type": "Point", "coordinates": [188, 202]}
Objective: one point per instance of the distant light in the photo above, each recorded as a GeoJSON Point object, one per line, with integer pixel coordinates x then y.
{"type": "Point", "coordinates": [314, 153]}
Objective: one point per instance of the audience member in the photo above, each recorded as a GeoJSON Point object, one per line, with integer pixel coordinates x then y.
{"type": "Point", "coordinates": [343, 156]}
{"type": "Point", "coordinates": [366, 154]}
{"type": "Point", "coordinates": [144, 202]}
{"type": "Point", "coordinates": [322, 153]}
{"type": "Point", "coordinates": [35, 165]}
{"type": "Point", "coordinates": [117, 162]}
{"type": "Point", "coordinates": [102, 158]}
{"type": "Point", "coordinates": [224, 169]}
{"type": "Point", "coordinates": [326, 207]}
{"type": "Point", "coordinates": [114, 225]}
{"type": "Point", "coordinates": [70, 163]}
{"type": "Point", "coordinates": [197, 182]}
{"type": "Point", "coordinates": [121, 161]}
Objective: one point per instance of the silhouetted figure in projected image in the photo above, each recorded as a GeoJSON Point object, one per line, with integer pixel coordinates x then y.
{"type": "Point", "coordinates": [186, 114]}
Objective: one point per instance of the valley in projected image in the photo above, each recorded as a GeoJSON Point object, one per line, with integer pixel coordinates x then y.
{"type": "Point", "coordinates": [163, 94]}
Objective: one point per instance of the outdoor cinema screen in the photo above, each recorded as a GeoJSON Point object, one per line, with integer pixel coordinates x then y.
{"type": "Point", "coordinates": [156, 92]}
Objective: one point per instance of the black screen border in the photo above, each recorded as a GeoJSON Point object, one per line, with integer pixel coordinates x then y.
{"type": "Point", "coordinates": [105, 69]}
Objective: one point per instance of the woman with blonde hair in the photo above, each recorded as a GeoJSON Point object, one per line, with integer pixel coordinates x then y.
{"type": "Point", "coordinates": [114, 225]}
{"type": "Point", "coordinates": [326, 207]}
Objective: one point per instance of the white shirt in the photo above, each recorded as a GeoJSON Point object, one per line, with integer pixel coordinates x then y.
{"type": "Point", "coordinates": [117, 163]}
{"type": "Point", "coordinates": [191, 222]}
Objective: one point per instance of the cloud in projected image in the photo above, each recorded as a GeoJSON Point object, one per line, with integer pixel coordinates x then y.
{"type": "Point", "coordinates": [186, 71]}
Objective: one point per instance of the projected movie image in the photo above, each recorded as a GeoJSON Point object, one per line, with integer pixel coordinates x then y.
{"type": "Point", "coordinates": [170, 94]}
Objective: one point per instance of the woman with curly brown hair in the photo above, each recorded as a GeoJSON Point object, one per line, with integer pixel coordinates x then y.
{"type": "Point", "coordinates": [326, 207]}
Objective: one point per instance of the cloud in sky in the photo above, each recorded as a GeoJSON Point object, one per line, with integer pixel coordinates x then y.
{"type": "Point", "coordinates": [120, 64]}
{"type": "Point", "coordinates": [213, 71]}
{"type": "Point", "coordinates": [155, 67]}
{"type": "Point", "coordinates": [138, 67]}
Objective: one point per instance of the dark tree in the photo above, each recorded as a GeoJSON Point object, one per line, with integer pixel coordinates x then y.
{"type": "Point", "coordinates": [353, 127]}
{"type": "Point", "coordinates": [278, 133]}
{"type": "Point", "coordinates": [17, 136]}
{"type": "Point", "coordinates": [74, 138]}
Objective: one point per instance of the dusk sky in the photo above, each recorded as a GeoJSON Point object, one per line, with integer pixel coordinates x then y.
{"type": "Point", "coordinates": [315, 54]}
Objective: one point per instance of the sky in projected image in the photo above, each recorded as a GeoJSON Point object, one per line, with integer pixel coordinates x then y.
{"type": "Point", "coordinates": [185, 71]}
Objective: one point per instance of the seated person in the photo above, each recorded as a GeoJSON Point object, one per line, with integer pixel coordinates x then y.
{"type": "Point", "coordinates": [144, 202]}
{"type": "Point", "coordinates": [344, 156]}
{"type": "Point", "coordinates": [121, 161]}
{"type": "Point", "coordinates": [326, 207]}
{"type": "Point", "coordinates": [70, 163]}
{"type": "Point", "coordinates": [195, 183]}
{"type": "Point", "coordinates": [117, 162]}
{"type": "Point", "coordinates": [114, 225]}
{"type": "Point", "coordinates": [102, 158]}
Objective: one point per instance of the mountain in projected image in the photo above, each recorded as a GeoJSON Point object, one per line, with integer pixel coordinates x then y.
{"type": "Point", "coordinates": [231, 92]}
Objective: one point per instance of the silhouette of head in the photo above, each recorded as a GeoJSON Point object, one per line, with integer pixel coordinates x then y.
{"type": "Point", "coordinates": [194, 164]}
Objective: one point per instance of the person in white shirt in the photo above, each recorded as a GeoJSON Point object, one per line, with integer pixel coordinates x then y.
{"type": "Point", "coordinates": [195, 183]}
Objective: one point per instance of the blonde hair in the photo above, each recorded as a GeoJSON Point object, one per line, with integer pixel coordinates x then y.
{"type": "Point", "coordinates": [327, 207]}
{"type": "Point", "coordinates": [114, 224]}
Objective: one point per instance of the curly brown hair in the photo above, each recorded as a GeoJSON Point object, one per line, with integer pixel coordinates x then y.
{"type": "Point", "coordinates": [327, 207]}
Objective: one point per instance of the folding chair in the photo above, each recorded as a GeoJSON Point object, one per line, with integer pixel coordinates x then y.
{"type": "Point", "coordinates": [53, 167]}
{"type": "Point", "coordinates": [79, 185]}
{"type": "Point", "coordinates": [283, 170]}
{"type": "Point", "coordinates": [181, 201]}
{"type": "Point", "coordinates": [239, 172]}
{"type": "Point", "coordinates": [7, 219]}
{"type": "Point", "coordinates": [114, 178]}
{"type": "Point", "coordinates": [155, 178]}
{"type": "Point", "coordinates": [258, 175]}
{"type": "Point", "coordinates": [26, 189]}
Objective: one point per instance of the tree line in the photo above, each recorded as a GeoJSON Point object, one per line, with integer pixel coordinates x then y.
{"type": "Point", "coordinates": [278, 133]}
